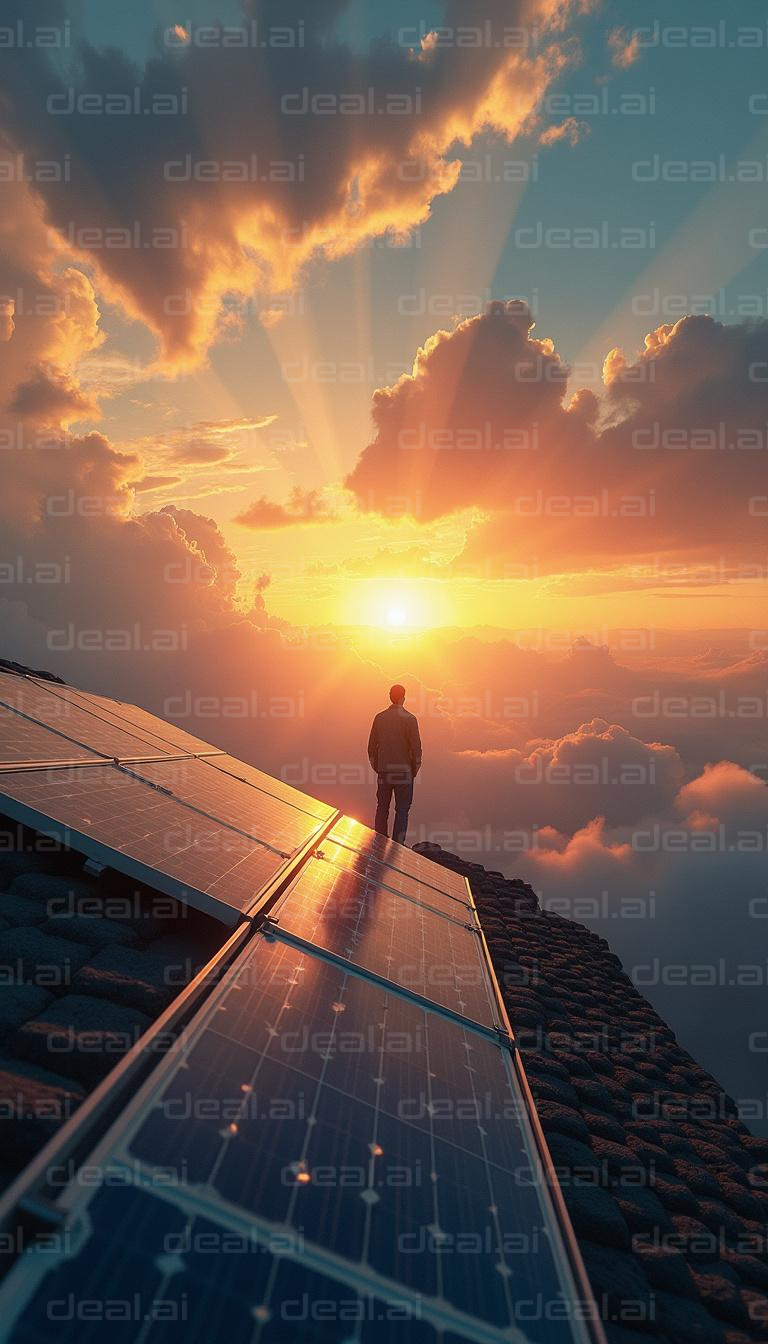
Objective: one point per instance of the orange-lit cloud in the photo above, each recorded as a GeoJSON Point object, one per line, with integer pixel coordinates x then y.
{"type": "Point", "coordinates": [669, 463]}
{"type": "Point", "coordinates": [570, 130]}
{"type": "Point", "coordinates": [303, 506]}
{"type": "Point", "coordinates": [7, 310]}
{"type": "Point", "coordinates": [242, 176]}
{"type": "Point", "coordinates": [625, 48]}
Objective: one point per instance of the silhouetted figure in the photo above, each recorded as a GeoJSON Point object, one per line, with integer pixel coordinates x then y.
{"type": "Point", "coordinates": [394, 750]}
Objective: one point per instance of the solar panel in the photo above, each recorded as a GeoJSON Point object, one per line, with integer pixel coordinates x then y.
{"type": "Point", "coordinates": [23, 739]}
{"type": "Point", "coordinates": [410, 945]}
{"type": "Point", "coordinates": [228, 1284]}
{"type": "Point", "coordinates": [230, 801]}
{"type": "Point", "coordinates": [286, 792]}
{"type": "Point", "coordinates": [373, 1159]}
{"type": "Point", "coordinates": [117, 818]}
{"type": "Point", "coordinates": [344, 1102]}
{"type": "Point", "coordinates": [361, 838]}
{"type": "Point", "coordinates": [406, 884]}
{"type": "Point", "coordinates": [79, 725]}
{"type": "Point", "coordinates": [156, 732]}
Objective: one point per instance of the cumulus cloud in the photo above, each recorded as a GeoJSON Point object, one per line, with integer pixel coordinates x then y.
{"type": "Point", "coordinates": [597, 770]}
{"type": "Point", "coordinates": [76, 556]}
{"type": "Point", "coordinates": [682, 900]}
{"type": "Point", "coordinates": [52, 400]}
{"type": "Point", "coordinates": [669, 458]}
{"type": "Point", "coordinates": [726, 793]}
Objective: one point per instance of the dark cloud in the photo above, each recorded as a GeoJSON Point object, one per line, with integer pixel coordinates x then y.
{"type": "Point", "coordinates": [52, 400]}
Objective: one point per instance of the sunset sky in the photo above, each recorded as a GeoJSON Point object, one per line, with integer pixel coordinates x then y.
{"type": "Point", "coordinates": [231, 390]}
{"type": "Point", "coordinates": [426, 343]}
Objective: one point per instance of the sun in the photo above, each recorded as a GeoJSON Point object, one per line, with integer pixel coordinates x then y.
{"type": "Point", "coordinates": [400, 608]}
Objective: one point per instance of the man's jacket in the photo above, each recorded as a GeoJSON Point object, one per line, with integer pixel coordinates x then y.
{"type": "Point", "coordinates": [394, 746]}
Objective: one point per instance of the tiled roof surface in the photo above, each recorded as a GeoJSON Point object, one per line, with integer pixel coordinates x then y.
{"type": "Point", "coordinates": [86, 964]}
{"type": "Point", "coordinates": [666, 1188]}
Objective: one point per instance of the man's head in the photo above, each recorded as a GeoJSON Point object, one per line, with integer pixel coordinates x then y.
{"type": "Point", "coordinates": [397, 694]}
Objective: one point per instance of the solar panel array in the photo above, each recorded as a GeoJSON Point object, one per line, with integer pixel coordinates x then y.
{"type": "Point", "coordinates": [337, 1147]}
{"type": "Point", "coordinates": [146, 797]}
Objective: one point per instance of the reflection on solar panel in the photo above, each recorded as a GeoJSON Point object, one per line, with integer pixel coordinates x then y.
{"type": "Point", "coordinates": [71, 720]}
{"type": "Point", "coordinates": [410, 945]}
{"type": "Point", "coordinates": [157, 733]}
{"type": "Point", "coordinates": [394, 879]}
{"type": "Point", "coordinates": [112, 815]}
{"type": "Point", "coordinates": [318, 1160]}
{"type": "Point", "coordinates": [355, 836]}
{"type": "Point", "coordinates": [276, 787]}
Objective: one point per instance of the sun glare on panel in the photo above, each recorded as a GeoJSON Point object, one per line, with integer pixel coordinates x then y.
{"type": "Point", "coordinates": [397, 617]}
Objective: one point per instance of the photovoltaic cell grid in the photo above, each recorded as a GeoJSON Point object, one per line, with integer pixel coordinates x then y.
{"type": "Point", "coordinates": [238, 805]}
{"type": "Point", "coordinates": [317, 1144]}
{"type": "Point", "coordinates": [257, 779]}
{"type": "Point", "coordinates": [214, 834]}
{"type": "Point", "coordinates": [156, 733]}
{"type": "Point", "coordinates": [409, 944]}
{"type": "Point", "coordinates": [203, 1295]}
{"type": "Point", "coordinates": [70, 724]}
{"type": "Point", "coordinates": [22, 739]}
{"type": "Point", "coordinates": [110, 812]}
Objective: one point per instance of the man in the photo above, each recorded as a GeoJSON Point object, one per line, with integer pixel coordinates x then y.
{"type": "Point", "coordinates": [394, 750]}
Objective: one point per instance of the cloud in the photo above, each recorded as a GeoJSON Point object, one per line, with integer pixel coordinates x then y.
{"type": "Point", "coordinates": [571, 130]}
{"type": "Point", "coordinates": [237, 176]}
{"type": "Point", "coordinates": [146, 484]}
{"type": "Point", "coordinates": [625, 48]}
{"type": "Point", "coordinates": [7, 324]}
{"type": "Point", "coordinates": [465, 424]}
{"type": "Point", "coordinates": [668, 459]}
{"type": "Point", "coordinates": [76, 556]}
{"type": "Point", "coordinates": [597, 770]}
{"type": "Point", "coordinates": [303, 507]}
{"type": "Point", "coordinates": [201, 454]}
{"type": "Point", "coordinates": [726, 793]}
{"type": "Point", "coordinates": [682, 901]}
{"type": "Point", "coordinates": [52, 400]}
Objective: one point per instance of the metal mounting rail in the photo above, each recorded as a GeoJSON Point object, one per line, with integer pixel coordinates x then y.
{"type": "Point", "coordinates": [21, 767]}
